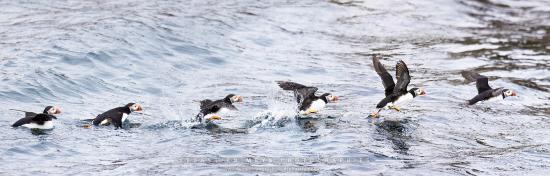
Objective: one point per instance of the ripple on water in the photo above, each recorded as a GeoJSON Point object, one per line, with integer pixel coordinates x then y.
{"type": "Point", "coordinates": [88, 57]}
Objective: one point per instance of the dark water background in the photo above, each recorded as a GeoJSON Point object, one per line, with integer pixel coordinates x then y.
{"type": "Point", "coordinates": [90, 56]}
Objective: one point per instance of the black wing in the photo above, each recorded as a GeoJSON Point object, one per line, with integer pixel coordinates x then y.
{"type": "Point", "coordinates": [485, 95]}
{"type": "Point", "coordinates": [41, 118]}
{"type": "Point", "coordinates": [300, 91]}
{"type": "Point", "coordinates": [22, 121]}
{"type": "Point", "coordinates": [402, 76]}
{"type": "Point", "coordinates": [117, 121]}
{"type": "Point", "coordinates": [207, 107]}
{"type": "Point", "coordinates": [112, 114]}
{"type": "Point", "coordinates": [387, 80]}
{"type": "Point", "coordinates": [99, 118]}
{"type": "Point", "coordinates": [30, 114]}
{"type": "Point", "coordinates": [287, 85]}
{"type": "Point", "coordinates": [205, 103]}
{"type": "Point", "coordinates": [305, 104]}
{"type": "Point", "coordinates": [38, 118]}
{"type": "Point", "coordinates": [303, 93]}
{"type": "Point", "coordinates": [482, 82]}
{"type": "Point", "coordinates": [229, 106]}
{"type": "Point", "coordinates": [27, 114]}
{"type": "Point", "coordinates": [384, 101]}
{"type": "Point", "coordinates": [212, 108]}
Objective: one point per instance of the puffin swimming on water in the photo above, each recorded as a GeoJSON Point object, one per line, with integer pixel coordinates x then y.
{"type": "Point", "coordinates": [484, 91]}
{"type": "Point", "coordinates": [308, 102]}
{"type": "Point", "coordinates": [396, 93]}
{"type": "Point", "coordinates": [117, 116]}
{"type": "Point", "coordinates": [42, 120]}
{"type": "Point", "coordinates": [209, 109]}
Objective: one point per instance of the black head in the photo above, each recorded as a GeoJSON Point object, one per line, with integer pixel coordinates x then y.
{"type": "Point", "coordinates": [51, 110]}
{"type": "Point", "coordinates": [417, 92]}
{"type": "Point", "coordinates": [134, 107]}
{"type": "Point", "coordinates": [508, 93]}
{"type": "Point", "coordinates": [327, 97]}
{"type": "Point", "coordinates": [231, 98]}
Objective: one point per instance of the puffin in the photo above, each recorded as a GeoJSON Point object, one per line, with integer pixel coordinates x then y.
{"type": "Point", "coordinates": [116, 116]}
{"type": "Point", "coordinates": [42, 120]}
{"type": "Point", "coordinates": [484, 91]}
{"type": "Point", "coordinates": [209, 109]}
{"type": "Point", "coordinates": [396, 94]}
{"type": "Point", "coordinates": [308, 102]}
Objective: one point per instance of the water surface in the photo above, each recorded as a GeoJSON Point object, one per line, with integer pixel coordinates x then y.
{"type": "Point", "coordinates": [90, 56]}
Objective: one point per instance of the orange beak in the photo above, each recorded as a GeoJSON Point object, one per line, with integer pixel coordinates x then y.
{"type": "Point", "coordinates": [58, 111]}
{"type": "Point", "coordinates": [335, 98]}
{"type": "Point", "coordinates": [514, 94]}
{"type": "Point", "coordinates": [423, 92]}
{"type": "Point", "coordinates": [139, 108]}
{"type": "Point", "coordinates": [239, 98]}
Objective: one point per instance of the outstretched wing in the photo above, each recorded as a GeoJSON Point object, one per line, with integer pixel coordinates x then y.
{"type": "Point", "coordinates": [27, 114]}
{"type": "Point", "coordinates": [300, 91]}
{"type": "Point", "coordinates": [205, 103]}
{"type": "Point", "coordinates": [470, 75]}
{"type": "Point", "coordinates": [385, 101]}
{"type": "Point", "coordinates": [482, 82]}
{"type": "Point", "coordinates": [287, 85]}
{"type": "Point", "coordinates": [30, 114]}
{"type": "Point", "coordinates": [485, 95]}
{"type": "Point", "coordinates": [303, 93]}
{"type": "Point", "coordinates": [210, 109]}
{"type": "Point", "coordinates": [402, 76]}
{"type": "Point", "coordinates": [22, 121]}
{"type": "Point", "coordinates": [206, 106]}
{"type": "Point", "coordinates": [387, 80]}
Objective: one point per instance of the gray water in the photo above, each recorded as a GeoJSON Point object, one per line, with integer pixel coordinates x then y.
{"type": "Point", "coordinates": [90, 56]}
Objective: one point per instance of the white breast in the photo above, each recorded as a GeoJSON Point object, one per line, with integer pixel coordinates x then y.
{"type": "Point", "coordinates": [404, 99]}
{"type": "Point", "coordinates": [46, 125]}
{"type": "Point", "coordinates": [223, 111]}
{"type": "Point", "coordinates": [497, 98]}
{"type": "Point", "coordinates": [124, 117]}
{"type": "Point", "coordinates": [318, 104]}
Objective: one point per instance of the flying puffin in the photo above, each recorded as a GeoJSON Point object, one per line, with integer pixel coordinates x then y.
{"type": "Point", "coordinates": [396, 93]}
{"type": "Point", "coordinates": [209, 109]}
{"type": "Point", "coordinates": [308, 102]}
{"type": "Point", "coordinates": [116, 116]}
{"type": "Point", "coordinates": [42, 120]}
{"type": "Point", "coordinates": [485, 92]}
